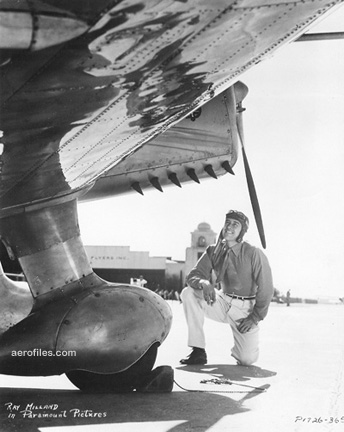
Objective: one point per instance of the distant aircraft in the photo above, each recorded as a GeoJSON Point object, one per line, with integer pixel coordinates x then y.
{"type": "Point", "coordinates": [100, 98]}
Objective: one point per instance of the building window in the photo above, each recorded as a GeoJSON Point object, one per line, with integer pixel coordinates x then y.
{"type": "Point", "coordinates": [201, 241]}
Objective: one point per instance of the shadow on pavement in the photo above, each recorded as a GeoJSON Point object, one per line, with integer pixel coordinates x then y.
{"type": "Point", "coordinates": [192, 411]}
{"type": "Point", "coordinates": [232, 372]}
{"type": "Point", "coordinates": [219, 378]}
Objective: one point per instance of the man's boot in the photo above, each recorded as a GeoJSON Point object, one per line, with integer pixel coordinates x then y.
{"type": "Point", "coordinates": [198, 356]}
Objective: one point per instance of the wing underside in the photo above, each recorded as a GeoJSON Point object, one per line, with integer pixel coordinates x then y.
{"type": "Point", "coordinates": [113, 102]}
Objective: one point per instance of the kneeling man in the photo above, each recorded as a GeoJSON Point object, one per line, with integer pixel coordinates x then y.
{"type": "Point", "coordinates": [240, 296]}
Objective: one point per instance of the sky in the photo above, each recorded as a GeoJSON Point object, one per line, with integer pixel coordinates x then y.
{"type": "Point", "coordinates": [294, 140]}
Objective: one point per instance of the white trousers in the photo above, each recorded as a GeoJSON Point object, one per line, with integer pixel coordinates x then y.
{"type": "Point", "coordinates": [224, 310]}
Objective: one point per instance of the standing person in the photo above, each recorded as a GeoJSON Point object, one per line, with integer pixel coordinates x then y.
{"type": "Point", "coordinates": [288, 298]}
{"type": "Point", "coordinates": [141, 282]}
{"type": "Point", "coordinates": [244, 276]}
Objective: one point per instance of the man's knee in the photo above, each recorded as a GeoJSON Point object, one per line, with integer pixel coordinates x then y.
{"type": "Point", "coordinates": [247, 359]}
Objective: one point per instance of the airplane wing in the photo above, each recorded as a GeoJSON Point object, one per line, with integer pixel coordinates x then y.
{"type": "Point", "coordinates": [92, 82]}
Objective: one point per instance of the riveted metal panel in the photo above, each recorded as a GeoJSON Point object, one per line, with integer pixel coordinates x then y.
{"type": "Point", "coordinates": [141, 68]}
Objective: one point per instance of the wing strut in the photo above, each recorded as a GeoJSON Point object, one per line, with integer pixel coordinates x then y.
{"type": "Point", "coordinates": [309, 37]}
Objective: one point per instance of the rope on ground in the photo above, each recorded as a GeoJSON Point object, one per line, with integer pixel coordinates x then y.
{"type": "Point", "coordinates": [223, 381]}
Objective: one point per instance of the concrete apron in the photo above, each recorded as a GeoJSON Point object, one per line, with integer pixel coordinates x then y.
{"type": "Point", "coordinates": [298, 384]}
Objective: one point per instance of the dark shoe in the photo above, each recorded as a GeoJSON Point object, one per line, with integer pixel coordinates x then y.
{"type": "Point", "coordinates": [198, 356]}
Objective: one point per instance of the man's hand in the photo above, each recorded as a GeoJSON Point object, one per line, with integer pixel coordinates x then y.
{"type": "Point", "coordinates": [246, 324]}
{"type": "Point", "coordinates": [208, 291]}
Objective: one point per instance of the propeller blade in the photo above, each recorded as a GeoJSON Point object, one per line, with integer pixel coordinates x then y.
{"type": "Point", "coordinates": [250, 182]}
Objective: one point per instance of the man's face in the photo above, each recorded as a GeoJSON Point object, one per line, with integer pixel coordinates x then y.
{"type": "Point", "coordinates": [231, 230]}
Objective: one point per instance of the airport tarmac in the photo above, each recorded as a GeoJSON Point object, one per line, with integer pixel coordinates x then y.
{"type": "Point", "coordinates": [296, 386]}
